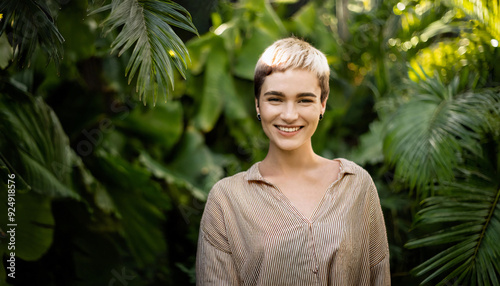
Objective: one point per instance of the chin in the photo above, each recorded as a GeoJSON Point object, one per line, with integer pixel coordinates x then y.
{"type": "Point", "coordinates": [288, 146]}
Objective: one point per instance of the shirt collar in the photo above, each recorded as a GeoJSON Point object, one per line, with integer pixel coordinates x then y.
{"type": "Point", "coordinates": [253, 174]}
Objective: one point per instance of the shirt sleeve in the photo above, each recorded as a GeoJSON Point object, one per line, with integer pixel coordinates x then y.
{"type": "Point", "coordinates": [379, 247]}
{"type": "Point", "coordinates": [214, 261]}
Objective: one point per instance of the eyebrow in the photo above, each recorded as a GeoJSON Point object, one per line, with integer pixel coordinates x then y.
{"type": "Point", "coordinates": [272, 92]}
{"type": "Point", "coordinates": [299, 95]}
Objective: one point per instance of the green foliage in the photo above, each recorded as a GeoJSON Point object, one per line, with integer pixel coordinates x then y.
{"type": "Point", "coordinates": [151, 125]}
{"type": "Point", "coordinates": [106, 185]}
{"type": "Point", "coordinates": [434, 128]}
{"type": "Point", "coordinates": [429, 131]}
{"type": "Point", "coordinates": [146, 25]}
{"type": "Point", "coordinates": [487, 12]}
{"type": "Point", "coordinates": [67, 181]}
{"type": "Point", "coordinates": [139, 204]}
{"type": "Point", "coordinates": [34, 144]}
{"type": "Point", "coordinates": [34, 214]}
{"type": "Point", "coordinates": [27, 24]}
{"type": "Point", "coordinates": [468, 212]}
{"type": "Point", "coordinates": [32, 155]}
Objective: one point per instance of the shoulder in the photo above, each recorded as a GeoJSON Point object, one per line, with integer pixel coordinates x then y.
{"type": "Point", "coordinates": [230, 181]}
{"type": "Point", "coordinates": [228, 186]}
{"type": "Point", "coordinates": [352, 168]}
{"type": "Point", "coordinates": [225, 197]}
{"type": "Point", "coordinates": [356, 172]}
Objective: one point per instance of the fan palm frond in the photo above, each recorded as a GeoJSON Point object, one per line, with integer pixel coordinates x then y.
{"type": "Point", "coordinates": [27, 23]}
{"type": "Point", "coordinates": [470, 211]}
{"type": "Point", "coordinates": [146, 25]}
{"type": "Point", "coordinates": [426, 135]}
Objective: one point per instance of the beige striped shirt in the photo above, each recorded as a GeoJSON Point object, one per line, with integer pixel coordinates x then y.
{"type": "Point", "coordinates": [250, 234]}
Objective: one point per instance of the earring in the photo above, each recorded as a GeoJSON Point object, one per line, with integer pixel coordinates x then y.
{"type": "Point", "coordinates": [258, 116]}
{"type": "Point", "coordinates": [320, 117]}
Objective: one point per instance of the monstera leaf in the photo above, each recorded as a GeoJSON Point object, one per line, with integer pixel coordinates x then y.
{"type": "Point", "coordinates": [139, 202]}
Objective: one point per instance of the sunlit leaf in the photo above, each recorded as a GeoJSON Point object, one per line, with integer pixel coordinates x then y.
{"type": "Point", "coordinates": [487, 12]}
{"type": "Point", "coordinates": [215, 84]}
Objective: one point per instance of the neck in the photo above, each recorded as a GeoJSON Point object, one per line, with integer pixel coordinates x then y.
{"type": "Point", "coordinates": [278, 161]}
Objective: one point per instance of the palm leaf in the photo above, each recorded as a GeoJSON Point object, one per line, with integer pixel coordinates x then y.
{"type": "Point", "coordinates": [470, 211]}
{"type": "Point", "coordinates": [146, 25]}
{"type": "Point", "coordinates": [428, 132]}
{"type": "Point", "coordinates": [26, 23]}
{"type": "Point", "coordinates": [486, 11]}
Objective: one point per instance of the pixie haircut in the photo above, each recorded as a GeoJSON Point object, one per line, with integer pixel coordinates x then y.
{"type": "Point", "coordinates": [292, 53]}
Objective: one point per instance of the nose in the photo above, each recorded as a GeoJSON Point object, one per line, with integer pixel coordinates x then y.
{"type": "Point", "coordinates": [289, 112]}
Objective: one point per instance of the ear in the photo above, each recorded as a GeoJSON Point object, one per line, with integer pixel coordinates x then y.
{"type": "Point", "coordinates": [323, 105]}
{"type": "Point", "coordinates": [257, 105]}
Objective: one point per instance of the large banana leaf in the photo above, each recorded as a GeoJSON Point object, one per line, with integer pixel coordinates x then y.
{"type": "Point", "coordinates": [34, 148]}
{"type": "Point", "coordinates": [140, 204]}
{"type": "Point", "coordinates": [34, 226]}
{"type": "Point", "coordinates": [146, 25]}
{"type": "Point", "coordinates": [34, 145]}
{"type": "Point", "coordinates": [258, 26]}
{"type": "Point", "coordinates": [162, 124]}
{"type": "Point", "coordinates": [427, 134]}
{"type": "Point", "coordinates": [217, 82]}
{"type": "Point", "coordinates": [469, 211]}
{"type": "Point", "coordinates": [194, 162]}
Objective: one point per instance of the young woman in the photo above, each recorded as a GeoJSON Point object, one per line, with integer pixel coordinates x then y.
{"type": "Point", "coordinates": [295, 218]}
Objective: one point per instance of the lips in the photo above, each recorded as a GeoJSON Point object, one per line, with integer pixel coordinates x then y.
{"type": "Point", "coordinates": [288, 129]}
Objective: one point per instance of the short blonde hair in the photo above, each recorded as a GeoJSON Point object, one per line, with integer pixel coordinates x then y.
{"type": "Point", "coordinates": [292, 53]}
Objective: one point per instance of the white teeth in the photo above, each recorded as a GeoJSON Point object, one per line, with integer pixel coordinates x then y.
{"type": "Point", "coordinates": [288, 129]}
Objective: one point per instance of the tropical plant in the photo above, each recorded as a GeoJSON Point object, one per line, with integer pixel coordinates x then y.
{"type": "Point", "coordinates": [81, 203]}
{"type": "Point", "coordinates": [467, 211]}
{"type": "Point", "coordinates": [442, 137]}
{"type": "Point", "coordinates": [28, 23]}
{"type": "Point", "coordinates": [109, 188]}
{"type": "Point", "coordinates": [145, 25]}
{"type": "Point", "coordinates": [428, 133]}
{"type": "Point", "coordinates": [445, 141]}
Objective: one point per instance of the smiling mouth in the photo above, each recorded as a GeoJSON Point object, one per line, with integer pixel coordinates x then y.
{"type": "Point", "coordinates": [288, 129]}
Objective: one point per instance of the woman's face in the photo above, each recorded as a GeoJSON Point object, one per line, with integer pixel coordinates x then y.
{"type": "Point", "coordinates": [289, 106]}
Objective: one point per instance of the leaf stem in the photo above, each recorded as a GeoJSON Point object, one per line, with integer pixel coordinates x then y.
{"type": "Point", "coordinates": [488, 219]}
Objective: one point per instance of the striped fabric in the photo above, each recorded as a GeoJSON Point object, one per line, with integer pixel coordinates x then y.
{"type": "Point", "coordinates": [251, 234]}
